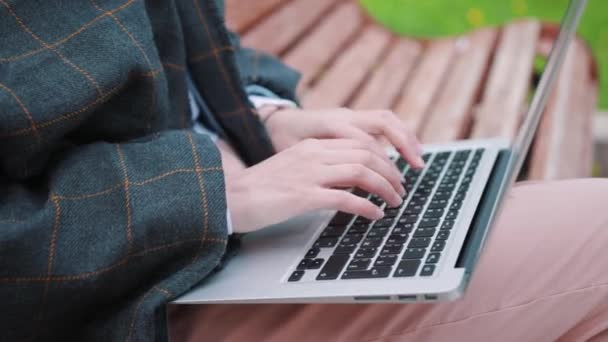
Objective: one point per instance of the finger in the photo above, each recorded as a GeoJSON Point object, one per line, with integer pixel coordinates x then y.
{"type": "Point", "coordinates": [387, 124]}
{"type": "Point", "coordinates": [384, 167]}
{"type": "Point", "coordinates": [357, 175]}
{"type": "Point", "coordinates": [347, 202]}
{"type": "Point", "coordinates": [351, 144]}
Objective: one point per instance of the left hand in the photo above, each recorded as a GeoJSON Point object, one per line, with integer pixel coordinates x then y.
{"type": "Point", "coordinates": [287, 127]}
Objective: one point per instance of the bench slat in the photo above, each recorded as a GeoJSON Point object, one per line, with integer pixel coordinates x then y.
{"type": "Point", "coordinates": [425, 82]}
{"type": "Point", "coordinates": [386, 81]}
{"type": "Point", "coordinates": [505, 94]}
{"type": "Point", "coordinates": [317, 49]}
{"type": "Point", "coordinates": [564, 141]}
{"type": "Point", "coordinates": [347, 73]}
{"type": "Point", "coordinates": [451, 114]}
{"type": "Point", "coordinates": [241, 15]}
{"type": "Point", "coordinates": [277, 32]}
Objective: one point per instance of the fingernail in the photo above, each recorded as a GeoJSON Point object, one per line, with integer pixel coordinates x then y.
{"type": "Point", "coordinates": [420, 162]}
{"type": "Point", "coordinates": [402, 191]}
{"type": "Point", "coordinates": [398, 201]}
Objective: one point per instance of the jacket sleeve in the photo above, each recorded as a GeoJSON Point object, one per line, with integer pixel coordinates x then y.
{"type": "Point", "coordinates": [107, 232]}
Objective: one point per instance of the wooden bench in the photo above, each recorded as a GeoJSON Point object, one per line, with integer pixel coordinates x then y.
{"type": "Point", "coordinates": [474, 86]}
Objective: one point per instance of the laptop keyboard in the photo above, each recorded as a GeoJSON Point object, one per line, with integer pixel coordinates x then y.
{"type": "Point", "coordinates": [409, 240]}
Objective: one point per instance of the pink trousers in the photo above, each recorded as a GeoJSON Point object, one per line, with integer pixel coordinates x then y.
{"type": "Point", "coordinates": [543, 276]}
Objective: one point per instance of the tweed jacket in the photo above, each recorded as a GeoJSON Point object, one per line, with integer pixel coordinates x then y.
{"type": "Point", "coordinates": [109, 205]}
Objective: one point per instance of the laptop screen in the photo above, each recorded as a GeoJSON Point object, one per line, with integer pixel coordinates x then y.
{"type": "Point", "coordinates": [545, 84]}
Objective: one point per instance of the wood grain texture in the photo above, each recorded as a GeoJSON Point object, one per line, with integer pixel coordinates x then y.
{"type": "Point", "coordinates": [278, 31]}
{"type": "Point", "coordinates": [451, 114]}
{"type": "Point", "coordinates": [241, 15]}
{"type": "Point", "coordinates": [388, 78]}
{"type": "Point", "coordinates": [345, 76]}
{"type": "Point", "coordinates": [317, 49]}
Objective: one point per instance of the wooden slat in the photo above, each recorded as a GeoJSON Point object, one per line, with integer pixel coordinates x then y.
{"type": "Point", "coordinates": [424, 83]}
{"type": "Point", "coordinates": [505, 94]}
{"type": "Point", "coordinates": [564, 142]}
{"type": "Point", "coordinates": [317, 48]}
{"type": "Point", "coordinates": [388, 78]}
{"type": "Point", "coordinates": [346, 75]}
{"type": "Point", "coordinates": [451, 113]}
{"type": "Point", "coordinates": [240, 15]}
{"type": "Point", "coordinates": [282, 28]}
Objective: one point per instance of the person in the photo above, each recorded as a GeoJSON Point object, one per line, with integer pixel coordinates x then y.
{"type": "Point", "coordinates": [130, 149]}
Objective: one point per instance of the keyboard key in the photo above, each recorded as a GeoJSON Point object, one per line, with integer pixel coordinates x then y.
{"type": "Point", "coordinates": [316, 263]}
{"type": "Point", "coordinates": [428, 223]}
{"type": "Point", "coordinates": [391, 212]}
{"type": "Point", "coordinates": [384, 222]}
{"type": "Point", "coordinates": [433, 213]}
{"type": "Point", "coordinates": [438, 204]}
{"type": "Point", "coordinates": [433, 258]}
{"type": "Point", "coordinates": [442, 195]}
{"type": "Point", "coordinates": [419, 243]}
{"type": "Point", "coordinates": [462, 155]}
{"type": "Point", "coordinates": [326, 242]}
{"type": "Point", "coordinates": [362, 220]}
{"type": "Point", "coordinates": [414, 253]}
{"type": "Point", "coordinates": [375, 272]}
{"type": "Point", "coordinates": [371, 242]}
{"type": "Point", "coordinates": [333, 231]}
{"type": "Point", "coordinates": [413, 209]}
{"type": "Point", "coordinates": [447, 225]}
{"type": "Point", "coordinates": [438, 246]}
{"type": "Point", "coordinates": [333, 267]}
{"type": "Point", "coordinates": [396, 239]}
{"type": "Point", "coordinates": [427, 270]}
{"type": "Point", "coordinates": [443, 235]}
{"type": "Point", "coordinates": [407, 268]}
{"type": "Point", "coordinates": [341, 219]}
{"type": "Point", "coordinates": [386, 260]}
{"type": "Point", "coordinates": [424, 232]}
{"type": "Point", "coordinates": [358, 264]}
{"type": "Point", "coordinates": [378, 232]}
{"type": "Point", "coordinates": [296, 276]}
{"type": "Point", "coordinates": [451, 215]}
{"type": "Point", "coordinates": [391, 249]}
{"type": "Point", "coordinates": [405, 229]}
{"type": "Point", "coordinates": [312, 253]}
{"type": "Point", "coordinates": [353, 238]}
{"type": "Point", "coordinates": [357, 229]}
{"type": "Point", "coordinates": [366, 253]}
{"type": "Point", "coordinates": [345, 248]}
{"type": "Point", "coordinates": [304, 264]}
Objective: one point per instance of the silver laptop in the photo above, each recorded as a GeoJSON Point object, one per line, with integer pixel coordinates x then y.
{"type": "Point", "coordinates": [423, 251]}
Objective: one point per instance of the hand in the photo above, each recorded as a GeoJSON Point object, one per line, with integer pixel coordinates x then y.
{"type": "Point", "coordinates": [309, 176]}
{"type": "Point", "coordinates": [287, 127]}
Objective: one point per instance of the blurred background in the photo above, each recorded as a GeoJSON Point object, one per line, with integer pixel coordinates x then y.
{"type": "Point", "coordinates": [433, 18]}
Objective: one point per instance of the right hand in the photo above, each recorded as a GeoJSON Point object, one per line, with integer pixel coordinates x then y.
{"type": "Point", "coordinates": [309, 176]}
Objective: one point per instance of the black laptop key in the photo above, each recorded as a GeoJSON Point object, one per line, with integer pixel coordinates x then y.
{"type": "Point", "coordinates": [326, 242]}
{"type": "Point", "coordinates": [414, 253]}
{"type": "Point", "coordinates": [366, 253]}
{"type": "Point", "coordinates": [451, 215]}
{"type": "Point", "coordinates": [391, 212]}
{"type": "Point", "coordinates": [447, 225]}
{"type": "Point", "coordinates": [379, 232]}
{"type": "Point", "coordinates": [438, 204]}
{"type": "Point", "coordinates": [362, 220]}
{"type": "Point", "coordinates": [396, 239]}
{"type": "Point", "coordinates": [419, 243]}
{"type": "Point", "coordinates": [384, 222]}
{"type": "Point", "coordinates": [333, 267]}
{"type": "Point", "coordinates": [407, 268]}
{"type": "Point", "coordinates": [353, 238]}
{"type": "Point", "coordinates": [439, 195]}
{"type": "Point", "coordinates": [333, 231]}
{"type": "Point", "coordinates": [345, 248]}
{"type": "Point", "coordinates": [357, 229]}
{"type": "Point", "coordinates": [424, 232]}
{"type": "Point", "coordinates": [433, 213]}
{"type": "Point", "coordinates": [296, 276]}
{"type": "Point", "coordinates": [412, 218]}
{"type": "Point", "coordinates": [374, 272]}
{"type": "Point", "coordinates": [413, 209]}
{"type": "Point", "coordinates": [315, 264]}
{"type": "Point", "coordinates": [358, 264]}
{"type": "Point", "coordinates": [462, 155]}
{"type": "Point", "coordinates": [391, 249]}
{"type": "Point", "coordinates": [304, 264]}
{"type": "Point", "coordinates": [313, 252]}
{"type": "Point", "coordinates": [386, 260]}
{"type": "Point", "coordinates": [443, 235]}
{"type": "Point", "coordinates": [403, 229]}
{"type": "Point", "coordinates": [401, 163]}
{"type": "Point", "coordinates": [428, 223]}
{"type": "Point", "coordinates": [433, 258]}
{"type": "Point", "coordinates": [341, 219]}
{"type": "Point", "coordinates": [456, 206]}
{"type": "Point", "coordinates": [427, 270]}
{"type": "Point", "coordinates": [371, 242]}
{"type": "Point", "coordinates": [438, 246]}
{"type": "Point", "coordinates": [426, 157]}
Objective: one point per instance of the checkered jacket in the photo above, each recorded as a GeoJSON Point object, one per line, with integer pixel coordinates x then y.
{"type": "Point", "coordinates": [109, 206]}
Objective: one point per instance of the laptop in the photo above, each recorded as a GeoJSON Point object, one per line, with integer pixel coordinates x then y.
{"type": "Point", "coordinates": [423, 251]}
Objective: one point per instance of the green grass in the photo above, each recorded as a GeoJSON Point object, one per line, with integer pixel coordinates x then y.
{"type": "Point", "coordinates": [432, 18]}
